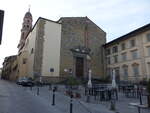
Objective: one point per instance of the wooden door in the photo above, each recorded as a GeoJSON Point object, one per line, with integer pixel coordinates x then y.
{"type": "Point", "coordinates": [79, 66]}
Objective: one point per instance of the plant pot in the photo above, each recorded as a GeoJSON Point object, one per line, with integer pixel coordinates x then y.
{"type": "Point", "coordinates": [69, 93]}
{"type": "Point", "coordinates": [77, 95]}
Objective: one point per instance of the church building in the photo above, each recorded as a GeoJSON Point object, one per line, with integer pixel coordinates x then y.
{"type": "Point", "coordinates": [57, 49]}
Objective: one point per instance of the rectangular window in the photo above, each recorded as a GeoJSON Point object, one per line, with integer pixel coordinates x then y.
{"type": "Point", "coordinates": [115, 49]}
{"type": "Point", "coordinates": [125, 72]}
{"type": "Point", "coordinates": [108, 51]}
{"type": "Point", "coordinates": [134, 54]}
{"type": "Point", "coordinates": [24, 61]}
{"type": "Point", "coordinates": [124, 56]}
{"type": "Point", "coordinates": [148, 63]}
{"type": "Point", "coordinates": [117, 73]}
{"type": "Point", "coordinates": [148, 50]}
{"type": "Point", "coordinates": [115, 58]}
{"type": "Point", "coordinates": [123, 47]}
{"type": "Point", "coordinates": [136, 70]}
{"type": "Point", "coordinates": [132, 43]}
{"type": "Point", "coordinates": [108, 72]}
{"type": "Point", "coordinates": [32, 51]}
{"type": "Point", "coordinates": [148, 37]}
{"type": "Point", "coordinates": [108, 60]}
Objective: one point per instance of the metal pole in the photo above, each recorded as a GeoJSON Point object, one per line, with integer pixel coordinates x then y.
{"type": "Point", "coordinates": [50, 87]}
{"type": "Point", "coordinates": [53, 100]}
{"type": "Point", "coordinates": [88, 95]}
{"type": "Point", "coordinates": [38, 90]}
{"type": "Point", "coordinates": [31, 88]}
{"type": "Point", "coordinates": [140, 98]}
{"type": "Point", "coordinates": [71, 105]}
{"type": "Point", "coordinates": [139, 110]}
{"type": "Point", "coordinates": [116, 94]}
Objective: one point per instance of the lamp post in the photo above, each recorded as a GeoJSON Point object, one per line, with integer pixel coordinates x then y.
{"type": "Point", "coordinates": [114, 91]}
{"type": "Point", "coordinates": [89, 79]}
{"type": "Point", "coordinates": [89, 85]}
{"type": "Point", "coordinates": [114, 86]}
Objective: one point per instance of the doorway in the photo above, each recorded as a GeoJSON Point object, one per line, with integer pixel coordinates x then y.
{"type": "Point", "coordinates": [79, 67]}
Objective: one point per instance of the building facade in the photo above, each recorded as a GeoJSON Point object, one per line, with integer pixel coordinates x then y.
{"type": "Point", "coordinates": [73, 43]}
{"type": "Point", "coordinates": [129, 55]}
{"type": "Point", "coordinates": [0, 72]}
{"type": "Point", "coordinates": [22, 55]}
{"type": "Point", "coordinates": [9, 70]}
{"type": "Point", "coordinates": [81, 47]}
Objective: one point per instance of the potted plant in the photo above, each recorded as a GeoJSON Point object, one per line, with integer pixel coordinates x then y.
{"type": "Point", "coordinates": [148, 90]}
{"type": "Point", "coordinates": [72, 86]}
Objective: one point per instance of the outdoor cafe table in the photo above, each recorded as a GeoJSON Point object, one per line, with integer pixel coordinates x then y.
{"type": "Point", "coordinates": [133, 92]}
{"type": "Point", "coordinates": [102, 94]}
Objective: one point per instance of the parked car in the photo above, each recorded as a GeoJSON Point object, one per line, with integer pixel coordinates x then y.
{"type": "Point", "coordinates": [19, 80]}
{"type": "Point", "coordinates": [25, 81]}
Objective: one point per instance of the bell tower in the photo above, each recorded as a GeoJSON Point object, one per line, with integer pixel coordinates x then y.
{"type": "Point", "coordinates": [26, 28]}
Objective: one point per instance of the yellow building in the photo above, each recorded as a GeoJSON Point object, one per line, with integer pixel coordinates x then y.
{"type": "Point", "coordinates": [129, 55]}
{"type": "Point", "coordinates": [9, 70]}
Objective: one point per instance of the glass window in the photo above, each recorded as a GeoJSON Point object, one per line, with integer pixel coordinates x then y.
{"type": "Point", "coordinates": [132, 43]}
{"type": "Point", "coordinates": [135, 69]}
{"type": "Point", "coordinates": [117, 72]}
{"type": "Point", "coordinates": [148, 37]}
{"type": "Point", "coordinates": [108, 60]}
{"type": "Point", "coordinates": [148, 63]}
{"type": "Point", "coordinates": [125, 72]}
{"type": "Point", "coordinates": [108, 72]}
{"type": "Point", "coordinates": [148, 50]}
{"type": "Point", "coordinates": [124, 56]}
{"type": "Point", "coordinates": [115, 58]}
{"type": "Point", "coordinates": [24, 60]}
{"type": "Point", "coordinates": [108, 51]}
{"type": "Point", "coordinates": [134, 54]}
{"type": "Point", "coordinates": [32, 51]}
{"type": "Point", "coordinates": [123, 46]}
{"type": "Point", "coordinates": [115, 49]}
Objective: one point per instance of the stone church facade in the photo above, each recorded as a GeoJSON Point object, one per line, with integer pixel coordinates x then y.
{"type": "Point", "coordinates": [71, 43]}
{"type": "Point", "coordinates": [80, 39]}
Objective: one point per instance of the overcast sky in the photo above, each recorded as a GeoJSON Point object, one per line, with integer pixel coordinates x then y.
{"type": "Point", "coordinates": [115, 17]}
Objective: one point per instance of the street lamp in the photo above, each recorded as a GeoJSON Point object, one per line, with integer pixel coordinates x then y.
{"type": "Point", "coordinates": [114, 85]}
{"type": "Point", "coordinates": [89, 85]}
{"type": "Point", "coordinates": [89, 81]}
